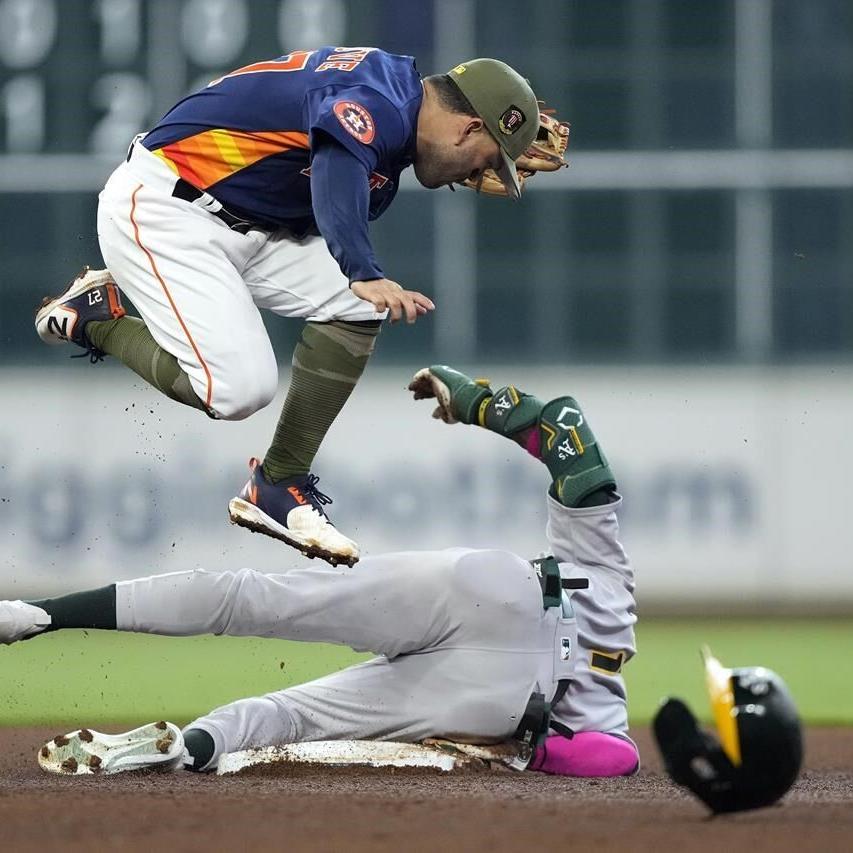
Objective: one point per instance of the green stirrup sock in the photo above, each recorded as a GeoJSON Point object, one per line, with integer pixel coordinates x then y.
{"type": "Point", "coordinates": [129, 340]}
{"type": "Point", "coordinates": [327, 363]}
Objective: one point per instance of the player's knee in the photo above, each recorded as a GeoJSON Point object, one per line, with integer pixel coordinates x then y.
{"type": "Point", "coordinates": [245, 389]}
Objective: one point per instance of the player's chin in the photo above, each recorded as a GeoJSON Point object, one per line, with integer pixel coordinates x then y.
{"type": "Point", "coordinates": [427, 178]}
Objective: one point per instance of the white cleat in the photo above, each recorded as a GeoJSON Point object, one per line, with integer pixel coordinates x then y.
{"type": "Point", "coordinates": [157, 746]}
{"type": "Point", "coordinates": [19, 620]}
{"type": "Point", "coordinates": [93, 295]}
{"type": "Point", "coordinates": [292, 511]}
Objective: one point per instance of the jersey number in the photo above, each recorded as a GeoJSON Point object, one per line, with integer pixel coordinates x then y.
{"type": "Point", "coordinates": [295, 61]}
{"type": "Point", "coordinates": [341, 59]}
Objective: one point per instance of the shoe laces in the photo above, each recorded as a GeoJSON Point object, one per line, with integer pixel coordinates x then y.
{"type": "Point", "coordinates": [313, 493]}
{"type": "Point", "coordinates": [95, 354]}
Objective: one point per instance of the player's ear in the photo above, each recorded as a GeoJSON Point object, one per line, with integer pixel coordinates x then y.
{"type": "Point", "coordinates": [471, 126]}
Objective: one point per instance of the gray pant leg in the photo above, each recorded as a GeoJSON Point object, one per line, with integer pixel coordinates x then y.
{"type": "Point", "coordinates": [585, 543]}
{"type": "Point", "coordinates": [491, 644]}
{"type": "Point", "coordinates": [390, 604]}
{"type": "Point", "coordinates": [466, 695]}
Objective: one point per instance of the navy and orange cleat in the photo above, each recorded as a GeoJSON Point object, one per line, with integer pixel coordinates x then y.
{"type": "Point", "coordinates": [291, 510]}
{"type": "Point", "coordinates": [93, 295]}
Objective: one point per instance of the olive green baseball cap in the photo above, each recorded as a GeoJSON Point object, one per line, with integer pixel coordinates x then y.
{"type": "Point", "coordinates": [506, 103]}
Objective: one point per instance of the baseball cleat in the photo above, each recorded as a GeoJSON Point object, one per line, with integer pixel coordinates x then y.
{"type": "Point", "coordinates": [157, 746]}
{"type": "Point", "coordinates": [291, 510]}
{"type": "Point", "coordinates": [19, 620]}
{"type": "Point", "coordinates": [93, 295]}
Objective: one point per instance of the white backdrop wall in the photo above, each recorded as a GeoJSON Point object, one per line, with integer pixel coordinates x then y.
{"type": "Point", "coordinates": [738, 483]}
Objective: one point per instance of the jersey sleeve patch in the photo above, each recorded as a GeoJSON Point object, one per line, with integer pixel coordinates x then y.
{"type": "Point", "coordinates": [356, 120]}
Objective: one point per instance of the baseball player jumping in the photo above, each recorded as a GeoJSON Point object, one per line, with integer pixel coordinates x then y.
{"type": "Point", "coordinates": [256, 193]}
{"type": "Point", "coordinates": [469, 643]}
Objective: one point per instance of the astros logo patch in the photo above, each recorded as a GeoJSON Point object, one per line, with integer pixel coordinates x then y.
{"type": "Point", "coordinates": [356, 120]}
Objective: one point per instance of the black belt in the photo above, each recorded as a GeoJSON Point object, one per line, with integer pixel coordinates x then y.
{"type": "Point", "coordinates": [552, 584]}
{"type": "Point", "coordinates": [187, 192]}
{"type": "Point", "coordinates": [536, 720]}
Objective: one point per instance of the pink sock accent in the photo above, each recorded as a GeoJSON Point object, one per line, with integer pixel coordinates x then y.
{"type": "Point", "coordinates": [586, 754]}
{"type": "Point", "coordinates": [532, 443]}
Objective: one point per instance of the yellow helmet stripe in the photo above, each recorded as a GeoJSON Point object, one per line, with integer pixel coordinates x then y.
{"type": "Point", "coordinates": [718, 680]}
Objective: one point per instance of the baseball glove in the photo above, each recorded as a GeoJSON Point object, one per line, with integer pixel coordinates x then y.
{"type": "Point", "coordinates": [545, 154]}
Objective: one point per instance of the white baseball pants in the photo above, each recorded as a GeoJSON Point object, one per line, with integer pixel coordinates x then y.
{"type": "Point", "coordinates": [198, 284]}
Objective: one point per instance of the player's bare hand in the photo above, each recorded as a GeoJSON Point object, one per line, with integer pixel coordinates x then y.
{"type": "Point", "coordinates": [387, 295]}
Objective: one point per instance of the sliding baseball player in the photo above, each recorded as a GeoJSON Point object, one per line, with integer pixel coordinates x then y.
{"type": "Point", "coordinates": [476, 646]}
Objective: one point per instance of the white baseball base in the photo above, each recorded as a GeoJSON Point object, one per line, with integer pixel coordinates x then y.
{"type": "Point", "coordinates": [439, 754]}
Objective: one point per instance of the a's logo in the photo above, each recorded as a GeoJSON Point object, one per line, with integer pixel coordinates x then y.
{"type": "Point", "coordinates": [565, 648]}
{"type": "Point", "coordinates": [565, 449]}
{"type": "Point", "coordinates": [511, 120]}
{"type": "Point", "coordinates": [502, 405]}
{"type": "Point", "coordinates": [356, 120]}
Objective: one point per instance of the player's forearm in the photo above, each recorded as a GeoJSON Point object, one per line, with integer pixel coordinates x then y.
{"type": "Point", "coordinates": [340, 195]}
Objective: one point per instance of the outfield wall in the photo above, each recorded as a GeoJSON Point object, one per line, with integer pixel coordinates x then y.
{"type": "Point", "coordinates": [737, 482]}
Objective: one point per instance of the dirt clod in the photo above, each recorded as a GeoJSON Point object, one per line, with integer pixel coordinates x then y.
{"type": "Point", "coordinates": [161, 725]}
{"type": "Point", "coordinates": [70, 764]}
{"type": "Point", "coordinates": [86, 736]}
{"type": "Point", "coordinates": [60, 740]}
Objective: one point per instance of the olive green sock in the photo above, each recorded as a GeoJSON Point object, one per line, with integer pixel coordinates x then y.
{"type": "Point", "coordinates": [327, 364]}
{"type": "Point", "coordinates": [129, 340]}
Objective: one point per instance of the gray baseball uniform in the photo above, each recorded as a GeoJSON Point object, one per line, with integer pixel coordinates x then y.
{"type": "Point", "coordinates": [586, 544]}
{"type": "Point", "coordinates": [462, 639]}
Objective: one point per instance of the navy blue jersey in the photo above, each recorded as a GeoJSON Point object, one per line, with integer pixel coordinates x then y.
{"type": "Point", "coordinates": [249, 137]}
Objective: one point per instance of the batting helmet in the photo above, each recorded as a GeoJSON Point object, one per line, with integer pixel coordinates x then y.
{"type": "Point", "coordinates": [759, 751]}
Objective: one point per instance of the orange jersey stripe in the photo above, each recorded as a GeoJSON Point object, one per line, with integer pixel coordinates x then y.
{"type": "Point", "coordinates": [213, 155]}
{"type": "Point", "coordinates": [180, 319]}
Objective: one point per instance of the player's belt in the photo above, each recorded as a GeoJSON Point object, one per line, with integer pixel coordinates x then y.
{"type": "Point", "coordinates": [187, 192]}
{"type": "Point", "coordinates": [536, 720]}
{"type": "Point", "coordinates": [552, 584]}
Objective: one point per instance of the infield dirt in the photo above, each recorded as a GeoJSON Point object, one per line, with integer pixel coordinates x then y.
{"type": "Point", "coordinates": [380, 810]}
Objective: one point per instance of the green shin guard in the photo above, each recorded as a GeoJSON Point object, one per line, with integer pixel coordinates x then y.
{"type": "Point", "coordinates": [129, 340]}
{"type": "Point", "coordinates": [327, 363]}
{"type": "Point", "coordinates": [571, 453]}
{"type": "Point", "coordinates": [509, 412]}
{"type": "Point", "coordinates": [557, 433]}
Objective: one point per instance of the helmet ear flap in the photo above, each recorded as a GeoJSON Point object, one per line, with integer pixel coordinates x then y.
{"type": "Point", "coordinates": [693, 757]}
